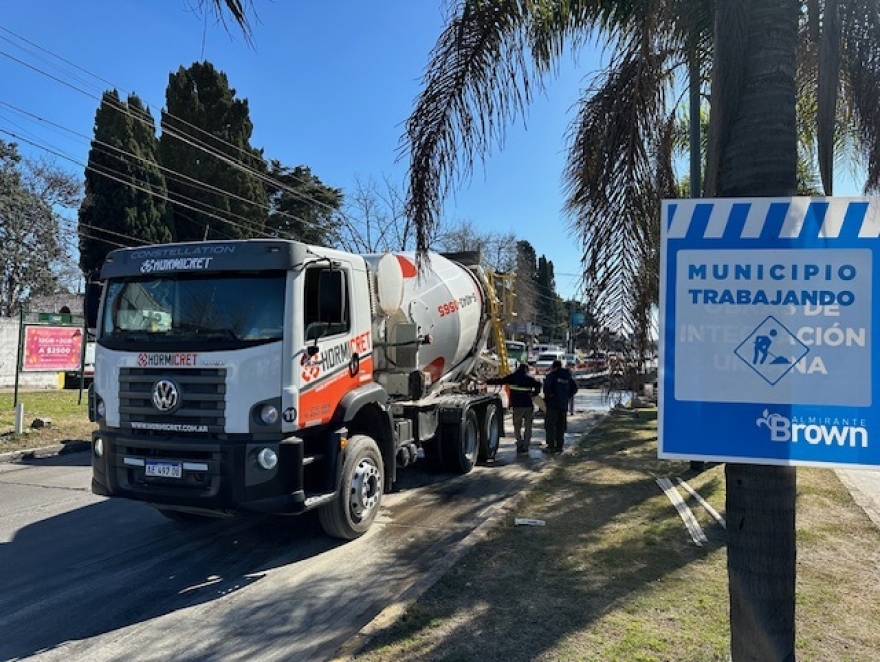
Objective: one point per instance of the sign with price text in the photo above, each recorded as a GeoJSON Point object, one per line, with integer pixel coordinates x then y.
{"type": "Point", "coordinates": [51, 348]}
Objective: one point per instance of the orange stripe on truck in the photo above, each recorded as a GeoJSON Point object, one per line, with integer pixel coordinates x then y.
{"type": "Point", "coordinates": [319, 401]}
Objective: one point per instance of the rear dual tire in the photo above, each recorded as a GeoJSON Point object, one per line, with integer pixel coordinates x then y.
{"type": "Point", "coordinates": [490, 437]}
{"type": "Point", "coordinates": [461, 442]}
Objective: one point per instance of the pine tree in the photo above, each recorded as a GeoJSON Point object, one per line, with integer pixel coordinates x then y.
{"type": "Point", "coordinates": [551, 311]}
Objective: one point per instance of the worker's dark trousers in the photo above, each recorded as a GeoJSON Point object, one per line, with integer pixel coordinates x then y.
{"type": "Point", "coordinates": [555, 424]}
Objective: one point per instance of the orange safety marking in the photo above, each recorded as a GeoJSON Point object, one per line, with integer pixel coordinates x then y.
{"type": "Point", "coordinates": [435, 368]}
{"type": "Point", "coordinates": [407, 266]}
{"type": "Point", "coordinates": [320, 399]}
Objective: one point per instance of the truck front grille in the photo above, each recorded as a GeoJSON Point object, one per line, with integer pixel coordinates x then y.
{"type": "Point", "coordinates": [202, 406]}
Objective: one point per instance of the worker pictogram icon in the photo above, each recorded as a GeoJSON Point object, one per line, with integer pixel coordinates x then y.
{"type": "Point", "coordinates": [771, 350]}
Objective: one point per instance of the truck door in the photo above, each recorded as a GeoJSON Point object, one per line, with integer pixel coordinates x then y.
{"type": "Point", "coordinates": [331, 365]}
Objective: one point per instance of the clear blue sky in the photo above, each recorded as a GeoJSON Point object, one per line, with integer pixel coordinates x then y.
{"type": "Point", "coordinates": [328, 85]}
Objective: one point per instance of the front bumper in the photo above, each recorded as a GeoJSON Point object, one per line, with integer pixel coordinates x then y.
{"type": "Point", "coordinates": [220, 475]}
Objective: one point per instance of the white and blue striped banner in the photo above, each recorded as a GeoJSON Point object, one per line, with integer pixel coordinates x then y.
{"type": "Point", "coordinates": [768, 320]}
{"type": "Point", "coordinates": [780, 218]}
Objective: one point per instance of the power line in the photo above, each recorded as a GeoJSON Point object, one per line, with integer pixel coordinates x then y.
{"type": "Point", "coordinates": [191, 140]}
{"type": "Point", "coordinates": [170, 173]}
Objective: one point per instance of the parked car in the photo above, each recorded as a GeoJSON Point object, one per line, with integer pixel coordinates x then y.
{"type": "Point", "coordinates": [544, 362]}
{"type": "Point", "coordinates": [537, 350]}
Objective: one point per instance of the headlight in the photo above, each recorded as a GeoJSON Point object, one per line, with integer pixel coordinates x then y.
{"type": "Point", "coordinates": [267, 458]}
{"type": "Point", "coordinates": [102, 410]}
{"type": "Point", "coordinates": [99, 447]}
{"type": "Point", "coordinates": [269, 414]}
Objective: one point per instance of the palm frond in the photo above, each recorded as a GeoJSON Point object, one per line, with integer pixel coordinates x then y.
{"type": "Point", "coordinates": [478, 81]}
{"type": "Point", "coordinates": [860, 47]}
{"type": "Point", "coordinates": [611, 175]}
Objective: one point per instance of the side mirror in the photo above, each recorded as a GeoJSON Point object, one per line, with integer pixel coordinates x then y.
{"type": "Point", "coordinates": [91, 304]}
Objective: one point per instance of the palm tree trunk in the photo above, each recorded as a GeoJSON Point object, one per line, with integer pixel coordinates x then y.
{"type": "Point", "coordinates": [761, 561]}
{"type": "Point", "coordinates": [753, 152]}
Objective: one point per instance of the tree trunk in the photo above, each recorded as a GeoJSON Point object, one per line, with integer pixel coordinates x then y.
{"type": "Point", "coordinates": [754, 133]}
{"type": "Point", "coordinates": [761, 561]}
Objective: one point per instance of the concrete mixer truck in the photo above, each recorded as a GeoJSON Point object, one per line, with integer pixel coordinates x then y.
{"type": "Point", "coordinates": [277, 377]}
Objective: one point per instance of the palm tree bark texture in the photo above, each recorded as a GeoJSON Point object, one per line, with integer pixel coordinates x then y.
{"type": "Point", "coordinates": [753, 153]}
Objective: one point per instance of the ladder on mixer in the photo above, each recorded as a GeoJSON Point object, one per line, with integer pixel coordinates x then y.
{"type": "Point", "coordinates": [497, 323]}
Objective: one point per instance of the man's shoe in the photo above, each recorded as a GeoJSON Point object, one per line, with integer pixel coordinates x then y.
{"type": "Point", "coordinates": [547, 449]}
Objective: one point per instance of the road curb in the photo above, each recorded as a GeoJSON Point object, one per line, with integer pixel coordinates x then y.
{"type": "Point", "coordinates": [411, 593]}
{"type": "Point", "coordinates": [66, 447]}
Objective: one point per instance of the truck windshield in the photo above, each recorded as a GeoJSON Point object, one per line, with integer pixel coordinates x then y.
{"type": "Point", "coordinates": [188, 310]}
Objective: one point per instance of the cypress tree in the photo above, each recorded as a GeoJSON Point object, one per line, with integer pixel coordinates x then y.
{"type": "Point", "coordinates": [205, 138]}
{"type": "Point", "coordinates": [125, 189]}
{"type": "Point", "coordinates": [302, 207]}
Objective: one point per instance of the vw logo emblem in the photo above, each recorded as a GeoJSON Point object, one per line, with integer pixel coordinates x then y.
{"type": "Point", "coordinates": [165, 395]}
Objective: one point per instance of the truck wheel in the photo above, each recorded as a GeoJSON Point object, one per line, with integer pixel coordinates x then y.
{"type": "Point", "coordinates": [490, 436]}
{"type": "Point", "coordinates": [356, 504]}
{"type": "Point", "coordinates": [460, 450]}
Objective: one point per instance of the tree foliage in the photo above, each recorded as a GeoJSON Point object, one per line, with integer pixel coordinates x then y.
{"type": "Point", "coordinates": [301, 207]}
{"type": "Point", "coordinates": [550, 308]}
{"type": "Point", "coordinates": [125, 202]}
{"type": "Point", "coordinates": [526, 288]}
{"type": "Point", "coordinates": [31, 247]}
{"type": "Point", "coordinates": [217, 190]}
{"type": "Point", "coordinates": [200, 180]}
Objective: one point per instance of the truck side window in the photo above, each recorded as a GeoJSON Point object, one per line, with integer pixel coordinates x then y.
{"type": "Point", "coordinates": [326, 303]}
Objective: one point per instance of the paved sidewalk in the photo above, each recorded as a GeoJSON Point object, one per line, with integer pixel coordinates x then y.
{"type": "Point", "coordinates": [864, 485]}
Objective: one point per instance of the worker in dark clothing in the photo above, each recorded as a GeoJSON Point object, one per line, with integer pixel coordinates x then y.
{"type": "Point", "coordinates": [522, 388]}
{"type": "Point", "coordinates": [559, 388]}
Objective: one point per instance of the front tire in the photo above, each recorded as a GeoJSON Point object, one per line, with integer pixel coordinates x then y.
{"type": "Point", "coordinates": [357, 502]}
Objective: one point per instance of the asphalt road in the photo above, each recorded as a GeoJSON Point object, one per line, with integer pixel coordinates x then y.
{"type": "Point", "coordinates": [83, 577]}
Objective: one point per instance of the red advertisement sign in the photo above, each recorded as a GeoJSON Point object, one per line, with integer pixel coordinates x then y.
{"type": "Point", "coordinates": [51, 348]}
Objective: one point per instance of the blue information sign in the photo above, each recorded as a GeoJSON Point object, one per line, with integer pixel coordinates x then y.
{"type": "Point", "coordinates": [767, 321]}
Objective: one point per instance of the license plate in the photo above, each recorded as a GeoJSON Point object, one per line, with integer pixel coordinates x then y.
{"type": "Point", "coordinates": [164, 469]}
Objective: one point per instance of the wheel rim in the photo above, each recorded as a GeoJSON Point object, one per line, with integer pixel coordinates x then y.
{"type": "Point", "coordinates": [366, 488]}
